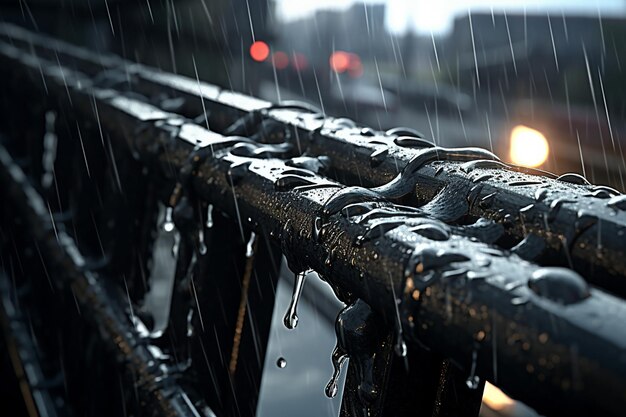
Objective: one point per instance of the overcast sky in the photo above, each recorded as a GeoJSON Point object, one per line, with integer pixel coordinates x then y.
{"type": "Point", "coordinates": [436, 16]}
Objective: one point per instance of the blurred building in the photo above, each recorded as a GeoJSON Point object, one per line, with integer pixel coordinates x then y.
{"type": "Point", "coordinates": [539, 56]}
{"type": "Point", "coordinates": [166, 34]}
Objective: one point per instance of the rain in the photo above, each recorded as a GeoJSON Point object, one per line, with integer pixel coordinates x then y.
{"type": "Point", "coordinates": [236, 198]}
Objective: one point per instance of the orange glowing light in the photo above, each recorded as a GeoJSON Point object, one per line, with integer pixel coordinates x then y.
{"type": "Point", "coordinates": [259, 51]}
{"type": "Point", "coordinates": [496, 399]}
{"type": "Point", "coordinates": [280, 60]}
{"type": "Point", "coordinates": [339, 61]}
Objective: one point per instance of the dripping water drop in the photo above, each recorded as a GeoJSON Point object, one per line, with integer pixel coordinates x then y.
{"type": "Point", "coordinates": [202, 249]}
{"type": "Point", "coordinates": [338, 357]}
{"type": "Point", "coordinates": [473, 380]}
{"type": "Point", "coordinates": [291, 316]}
{"type": "Point", "coordinates": [168, 224]}
{"type": "Point", "coordinates": [281, 362]}
{"type": "Point", "coordinates": [209, 216]}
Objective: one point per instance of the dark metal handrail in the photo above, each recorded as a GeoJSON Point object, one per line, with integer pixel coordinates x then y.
{"type": "Point", "coordinates": [471, 307]}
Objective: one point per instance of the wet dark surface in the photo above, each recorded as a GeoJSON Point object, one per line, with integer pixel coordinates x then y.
{"type": "Point", "coordinates": [445, 252]}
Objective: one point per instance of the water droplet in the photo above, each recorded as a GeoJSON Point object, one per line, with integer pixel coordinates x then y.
{"type": "Point", "coordinates": [472, 382]}
{"type": "Point", "coordinates": [168, 224]}
{"type": "Point", "coordinates": [281, 362]}
{"type": "Point", "coordinates": [573, 178]}
{"type": "Point", "coordinates": [331, 389]}
{"type": "Point", "coordinates": [560, 285]}
{"type": "Point", "coordinates": [250, 245]}
{"type": "Point", "coordinates": [347, 196]}
{"type": "Point", "coordinates": [377, 229]}
{"type": "Point", "coordinates": [291, 316]}
{"type": "Point", "coordinates": [487, 160]}
{"type": "Point", "coordinates": [201, 245]}
{"type": "Point", "coordinates": [337, 358]}
{"type": "Point", "coordinates": [316, 165]}
{"type": "Point", "coordinates": [404, 131]}
{"type": "Point", "coordinates": [317, 226]}
{"type": "Point", "coordinates": [413, 142]}
{"type": "Point", "coordinates": [209, 216]}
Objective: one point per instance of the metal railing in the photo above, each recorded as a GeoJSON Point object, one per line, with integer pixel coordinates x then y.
{"type": "Point", "coordinates": [456, 268]}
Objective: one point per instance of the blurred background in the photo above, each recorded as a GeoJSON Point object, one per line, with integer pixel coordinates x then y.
{"type": "Point", "coordinates": [461, 72]}
{"type": "Point", "coordinates": [540, 83]}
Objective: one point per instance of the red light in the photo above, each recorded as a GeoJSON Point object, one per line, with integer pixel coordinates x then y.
{"type": "Point", "coordinates": [259, 51]}
{"type": "Point", "coordinates": [355, 69]}
{"type": "Point", "coordinates": [280, 59]}
{"type": "Point", "coordinates": [339, 61]}
{"type": "Point", "coordinates": [299, 62]}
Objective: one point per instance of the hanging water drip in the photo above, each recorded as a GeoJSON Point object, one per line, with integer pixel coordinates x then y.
{"type": "Point", "coordinates": [202, 249]}
{"type": "Point", "coordinates": [209, 216]}
{"type": "Point", "coordinates": [473, 380]}
{"type": "Point", "coordinates": [168, 223]}
{"type": "Point", "coordinates": [291, 316]}
{"type": "Point", "coordinates": [338, 358]}
{"type": "Point", "coordinates": [250, 245]}
{"type": "Point", "coordinates": [361, 336]}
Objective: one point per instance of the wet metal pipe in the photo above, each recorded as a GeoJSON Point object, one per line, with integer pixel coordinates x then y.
{"type": "Point", "coordinates": [551, 220]}
{"type": "Point", "coordinates": [539, 333]}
